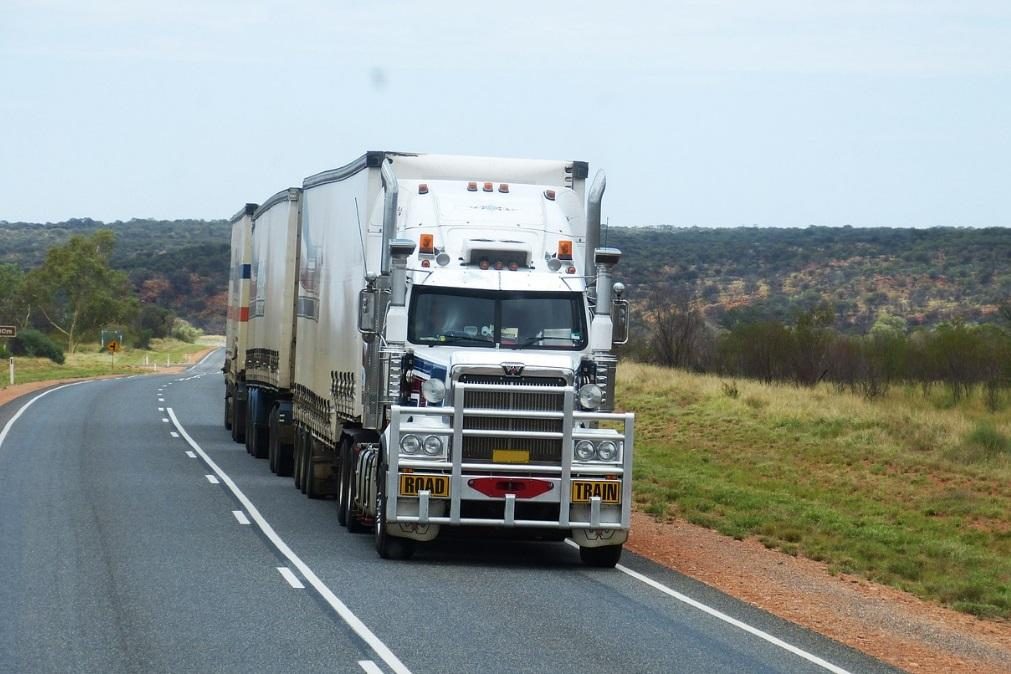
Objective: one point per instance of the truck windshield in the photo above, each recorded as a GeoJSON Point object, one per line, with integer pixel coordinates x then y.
{"type": "Point", "coordinates": [508, 320]}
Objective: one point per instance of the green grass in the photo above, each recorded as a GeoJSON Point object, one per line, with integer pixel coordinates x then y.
{"type": "Point", "coordinates": [90, 361]}
{"type": "Point", "coordinates": [909, 491]}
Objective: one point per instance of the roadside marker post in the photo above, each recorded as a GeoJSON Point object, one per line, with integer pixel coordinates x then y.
{"type": "Point", "coordinates": [12, 370]}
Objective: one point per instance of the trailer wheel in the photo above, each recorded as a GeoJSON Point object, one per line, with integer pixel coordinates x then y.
{"type": "Point", "coordinates": [238, 421]}
{"type": "Point", "coordinates": [250, 433]}
{"type": "Point", "coordinates": [604, 557]}
{"type": "Point", "coordinates": [344, 456]}
{"type": "Point", "coordinates": [388, 547]}
{"type": "Point", "coordinates": [352, 514]}
{"type": "Point", "coordinates": [228, 412]}
{"type": "Point", "coordinates": [311, 485]}
{"type": "Point", "coordinates": [299, 444]}
{"type": "Point", "coordinates": [272, 443]}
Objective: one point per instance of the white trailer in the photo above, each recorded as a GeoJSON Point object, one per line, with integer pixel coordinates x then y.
{"type": "Point", "coordinates": [453, 362]}
{"type": "Point", "coordinates": [269, 353]}
{"type": "Point", "coordinates": [236, 322]}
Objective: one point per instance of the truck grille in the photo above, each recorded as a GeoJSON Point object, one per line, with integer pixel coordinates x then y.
{"type": "Point", "coordinates": [542, 451]}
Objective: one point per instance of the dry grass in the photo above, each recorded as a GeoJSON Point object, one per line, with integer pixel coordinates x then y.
{"type": "Point", "coordinates": [910, 490]}
{"type": "Point", "coordinates": [91, 361]}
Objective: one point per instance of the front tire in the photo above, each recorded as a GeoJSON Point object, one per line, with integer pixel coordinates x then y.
{"type": "Point", "coordinates": [605, 557]}
{"type": "Point", "coordinates": [388, 547]}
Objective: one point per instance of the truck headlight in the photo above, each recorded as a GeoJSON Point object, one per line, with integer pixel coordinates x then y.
{"type": "Point", "coordinates": [432, 445]}
{"type": "Point", "coordinates": [607, 451]}
{"type": "Point", "coordinates": [590, 396]}
{"type": "Point", "coordinates": [434, 391]}
{"type": "Point", "coordinates": [584, 450]}
{"type": "Point", "coordinates": [410, 444]}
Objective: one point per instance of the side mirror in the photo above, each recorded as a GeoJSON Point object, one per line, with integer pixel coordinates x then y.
{"type": "Point", "coordinates": [367, 314]}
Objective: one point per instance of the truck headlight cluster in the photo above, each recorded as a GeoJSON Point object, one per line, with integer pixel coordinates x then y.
{"type": "Point", "coordinates": [590, 396]}
{"type": "Point", "coordinates": [606, 450]}
{"type": "Point", "coordinates": [429, 447]}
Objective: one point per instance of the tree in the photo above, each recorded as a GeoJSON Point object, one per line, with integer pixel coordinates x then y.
{"type": "Point", "coordinates": [13, 307]}
{"type": "Point", "coordinates": [77, 291]}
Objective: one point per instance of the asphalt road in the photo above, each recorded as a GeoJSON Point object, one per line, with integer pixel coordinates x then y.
{"type": "Point", "coordinates": [136, 536]}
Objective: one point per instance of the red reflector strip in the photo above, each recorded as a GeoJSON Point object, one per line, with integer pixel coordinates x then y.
{"type": "Point", "coordinates": [498, 487]}
{"type": "Point", "coordinates": [244, 314]}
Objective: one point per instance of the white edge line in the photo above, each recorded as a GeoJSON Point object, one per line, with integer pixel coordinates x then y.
{"type": "Point", "coordinates": [370, 667]}
{"type": "Point", "coordinates": [727, 619]}
{"type": "Point", "coordinates": [241, 516]}
{"type": "Point", "coordinates": [17, 415]}
{"type": "Point", "coordinates": [353, 621]}
{"type": "Point", "coordinates": [291, 578]}
{"type": "Point", "coordinates": [211, 353]}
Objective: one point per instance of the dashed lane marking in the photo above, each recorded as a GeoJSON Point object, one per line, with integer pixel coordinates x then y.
{"type": "Point", "coordinates": [241, 516]}
{"type": "Point", "coordinates": [212, 479]}
{"type": "Point", "coordinates": [291, 578]}
{"type": "Point", "coordinates": [345, 614]}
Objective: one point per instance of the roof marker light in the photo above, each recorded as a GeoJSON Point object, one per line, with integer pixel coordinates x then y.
{"type": "Point", "coordinates": [513, 266]}
{"type": "Point", "coordinates": [570, 270]}
{"type": "Point", "coordinates": [426, 263]}
{"type": "Point", "coordinates": [483, 263]}
{"type": "Point", "coordinates": [549, 195]}
{"type": "Point", "coordinates": [472, 186]}
{"type": "Point", "coordinates": [426, 243]}
{"type": "Point", "coordinates": [488, 187]}
{"type": "Point", "coordinates": [499, 265]}
{"type": "Point", "coordinates": [504, 188]}
{"type": "Point", "coordinates": [423, 188]}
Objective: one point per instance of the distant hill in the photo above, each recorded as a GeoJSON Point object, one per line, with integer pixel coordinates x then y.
{"type": "Point", "coordinates": [737, 274]}
{"type": "Point", "coordinates": [181, 265]}
{"type": "Point", "coordinates": [923, 275]}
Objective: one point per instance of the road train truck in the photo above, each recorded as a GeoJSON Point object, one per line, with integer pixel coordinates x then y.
{"type": "Point", "coordinates": [430, 340]}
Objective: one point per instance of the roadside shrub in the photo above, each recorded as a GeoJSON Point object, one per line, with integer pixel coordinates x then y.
{"type": "Point", "coordinates": [185, 332]}
{"type": "Point", "coordinates": [35, 344]}
{"type": "Point", "coordinates": [730, 389]}
{"type": "Point", "coordinates": [983, 443]}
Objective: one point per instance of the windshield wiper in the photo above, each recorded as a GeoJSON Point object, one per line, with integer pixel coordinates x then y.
{"type": "Point", "coordinates": [451, 337]}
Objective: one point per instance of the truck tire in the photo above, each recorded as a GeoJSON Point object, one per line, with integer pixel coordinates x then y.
{"type": "Point", "coordinates": [352, 514]}
{"type": "Point", "coordinates": [272, 442]}
{"type": "Point", "coordinates": [228, 412]}
{"type": "Point", "coordinates": [603, 557]}
{"type": "Point", "coordinates": [238, 421]}
{"type": "Point", "coordinates": [299, 444]}
{"type": "Point", "coordinates": [388, 547]}
{"type": "Point", "coordinates": [344, 457]}
{"type": "Point", "coordinates": [310, 485]}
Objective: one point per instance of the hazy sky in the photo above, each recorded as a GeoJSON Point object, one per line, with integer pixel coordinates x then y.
{"type": "Point", "coordinates": [785, 113]}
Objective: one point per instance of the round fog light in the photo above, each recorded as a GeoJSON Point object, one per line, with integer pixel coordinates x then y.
{"type": "Point", "coordinates": [607, 451]}
{"type": "Point", "coordinates": [410, 444]}
{"type": "Point", "coordinates": [432, 445]}
{"type": "Point", "coordinates": [590, 396]}
{"type": "Point", "coordinates": [584, 450]}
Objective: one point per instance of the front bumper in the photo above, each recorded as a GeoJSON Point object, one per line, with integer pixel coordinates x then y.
{"type": "Point", "coordinates": [554, 508]}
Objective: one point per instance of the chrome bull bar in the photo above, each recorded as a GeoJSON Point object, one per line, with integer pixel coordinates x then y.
{"type": "Point", "coordinates": [403, 420]}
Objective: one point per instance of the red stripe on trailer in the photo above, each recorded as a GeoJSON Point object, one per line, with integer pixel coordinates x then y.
{"type": "Point", "coordinates": [244, 314]}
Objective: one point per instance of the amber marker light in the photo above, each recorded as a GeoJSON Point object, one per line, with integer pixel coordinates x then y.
{"type": "Point", "coordinates": [426, 243]}
{"type": "Point", "coordinates": [549, 195]}
{"type": "Point", "coordinates": [564, 250]}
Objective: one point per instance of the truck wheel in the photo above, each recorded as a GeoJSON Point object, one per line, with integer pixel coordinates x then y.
{"type": "Point", "coordinates": [238, 421]}
{"type": "Point", "coordinates": [228, 413]}
{"type": "Point", "coordinates": [285, 459]}
{"type": "Point", "coordinates": [603, 557]}
{"type": "Point", "coordinates": [310, 485]}
{"type": "Point", "coordinates": [272, 443]}
{"type": "Point", "coordinates": [388, 547]}
{"type": "Point", "coordinates": [250, 433]}
{"type": "Point", "coordinates": [352, 514]}
{"type": "Point", "coordinates": [344, 456]}
{"type": "Point", "coordinates": [299, 444]}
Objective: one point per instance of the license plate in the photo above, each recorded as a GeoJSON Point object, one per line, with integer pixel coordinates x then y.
{"type": "Point", "coordinates": [584, 490]}
{"type": "Point", "coordinates": [412, 484]}
{"type": "Point", "coordinates": [510, 456]}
